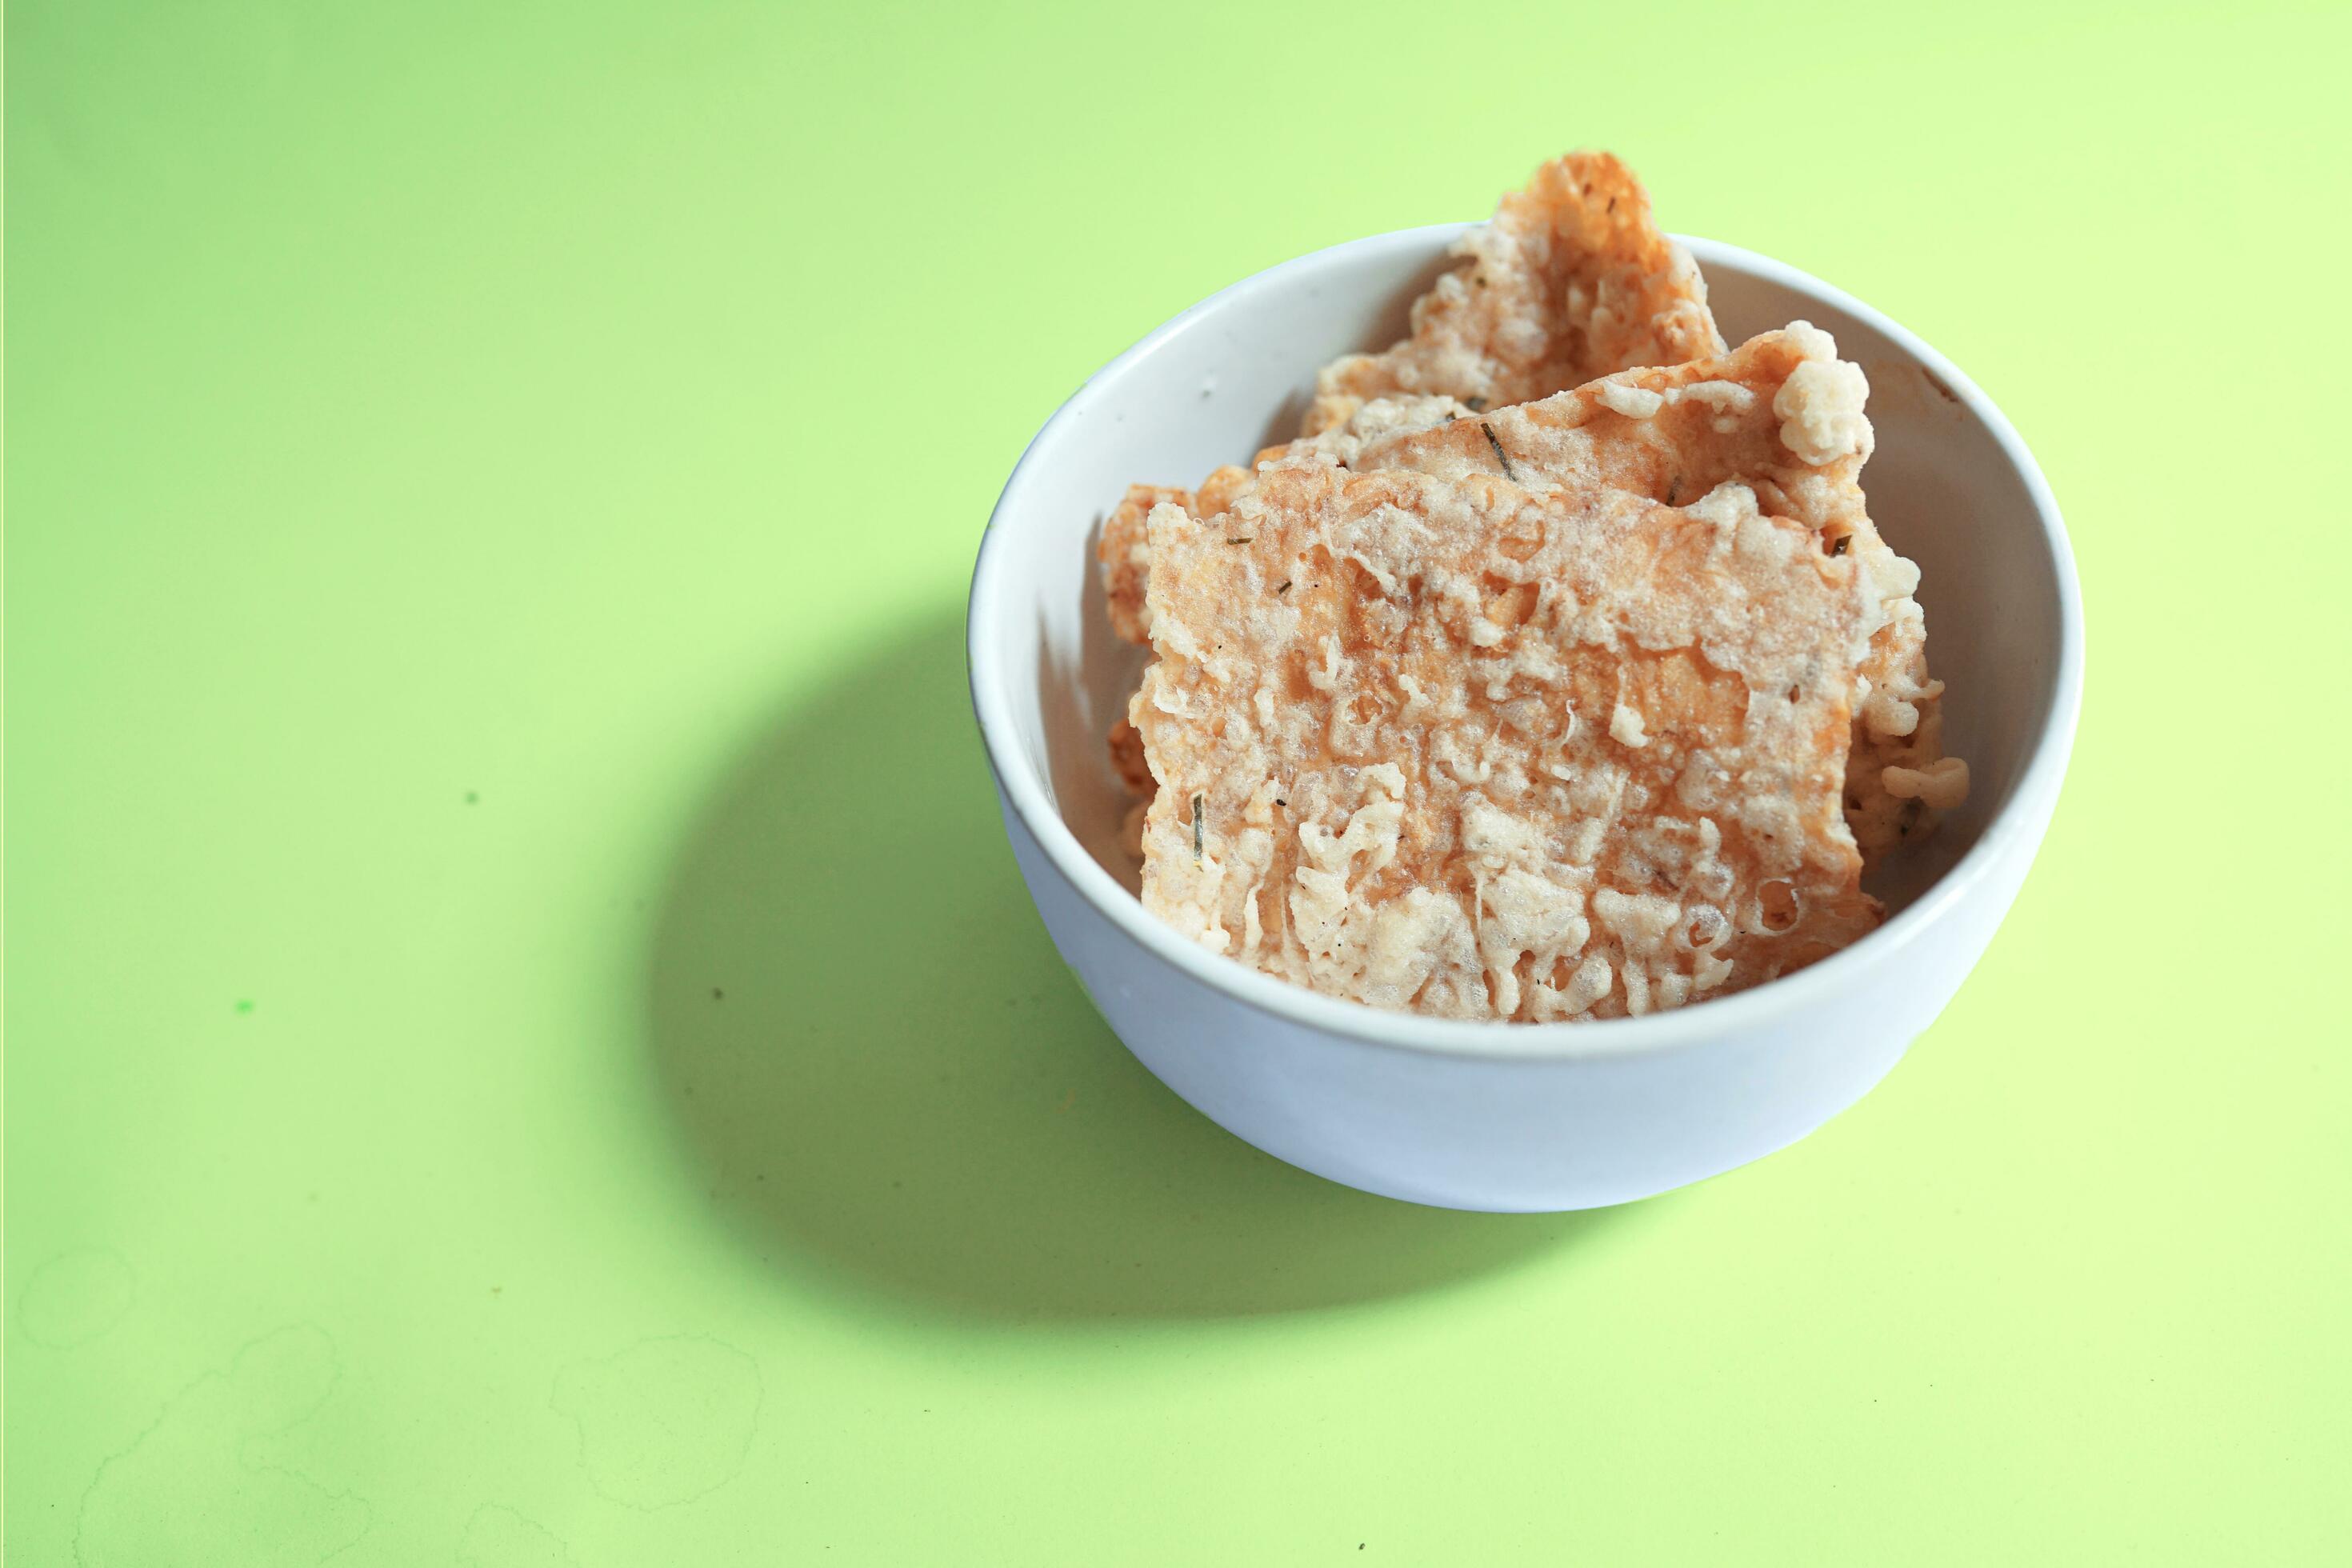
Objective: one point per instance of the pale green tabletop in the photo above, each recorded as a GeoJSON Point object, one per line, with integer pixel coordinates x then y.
{"type": "Point", "coordinates": [527, 1044]}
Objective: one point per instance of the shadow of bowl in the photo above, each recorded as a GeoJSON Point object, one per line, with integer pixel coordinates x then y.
{"type": "Point", "coordinates": [891, 1083]}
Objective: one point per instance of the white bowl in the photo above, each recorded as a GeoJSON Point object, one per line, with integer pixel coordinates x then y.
{"type": "Point", "coordinates": [1514, 1116]}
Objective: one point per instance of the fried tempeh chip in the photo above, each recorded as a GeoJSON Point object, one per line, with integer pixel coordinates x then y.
{"type": "Point", "coordinates": [1783, 414]}
{"type": "Point", "coordinates": [1125, 554]}
{"type": "Point", "coordinates": [1126, 561]}
{"type": "Point", "coordinates": [1569, 280]}
{"type": "Point", "coordinates": [1449, 744]}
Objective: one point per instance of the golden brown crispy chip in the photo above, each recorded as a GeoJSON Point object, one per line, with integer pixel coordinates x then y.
{"type": "Point", "coordinates": [1125, 562]}
{"type": "Point", "coordinates": [1898, 781]}
{"type": "Point", "coordinates": [1125, 555]}
{"type": "Point", "coordinates": [1447, 744]}
{"type": "Point", "coordinates": [1569, 280]}
{"type": "Point", "coordinates": [1783, 414]}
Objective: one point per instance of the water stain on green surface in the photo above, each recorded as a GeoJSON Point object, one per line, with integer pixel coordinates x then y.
{"type": "Point", "coordinates": [663, 1422]}
{"type": "Point", "coordinates": [195, 1489]}
{"type": "Point", "coordinates": [498, 1537]}
{"type": "Point", "coordinates": [904, 1092]}
{"type": "Point", "coordinates": [74, 1298]}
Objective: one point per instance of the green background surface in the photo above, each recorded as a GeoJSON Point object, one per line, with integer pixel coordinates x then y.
{"type": "Point", "coordinates": [527, 1047]}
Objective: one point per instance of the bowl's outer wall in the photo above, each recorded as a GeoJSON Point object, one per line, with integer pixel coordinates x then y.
{"type": "Point", "coordinates": [1511, 1135]}
{"type": "Point", "coordinates": [1538, 1131]}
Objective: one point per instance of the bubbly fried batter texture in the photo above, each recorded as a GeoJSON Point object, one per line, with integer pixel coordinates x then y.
{"type": "Point", "coordinates": [1569, 280]}
{"type": "Point", "coordinates": [1447, 743]}
{"type": "Point", "coordinates": [1783, 414]}
{"type": "Point", "coordinates": [1556, 670]}
{"type": "Point", "coordinates": [1126, 558]}
{"type": "Point", "coordinates": [1125, 553]}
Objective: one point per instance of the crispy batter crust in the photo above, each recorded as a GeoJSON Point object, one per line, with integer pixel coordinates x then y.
{"type": "Point", "coordinates": [1125, 559]}
{"type": "Point", "coordinates": [1553, 363]}
{"type": "Point", "coordinates": [1782, 413]}
{"type": "Point", "coordinates": [1124, 552]}
{"type": "Point", "coordinates": [1450, 744]}
{"type": "Point", "coordinates": [1569, 280]}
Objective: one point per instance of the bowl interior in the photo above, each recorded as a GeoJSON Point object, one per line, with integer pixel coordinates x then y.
{"type": "Point", "coordinates": [1233, 376]}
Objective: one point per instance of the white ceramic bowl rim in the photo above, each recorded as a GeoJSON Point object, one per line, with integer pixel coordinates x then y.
{"type": "Point", "coordinates": [1680, 1028]}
